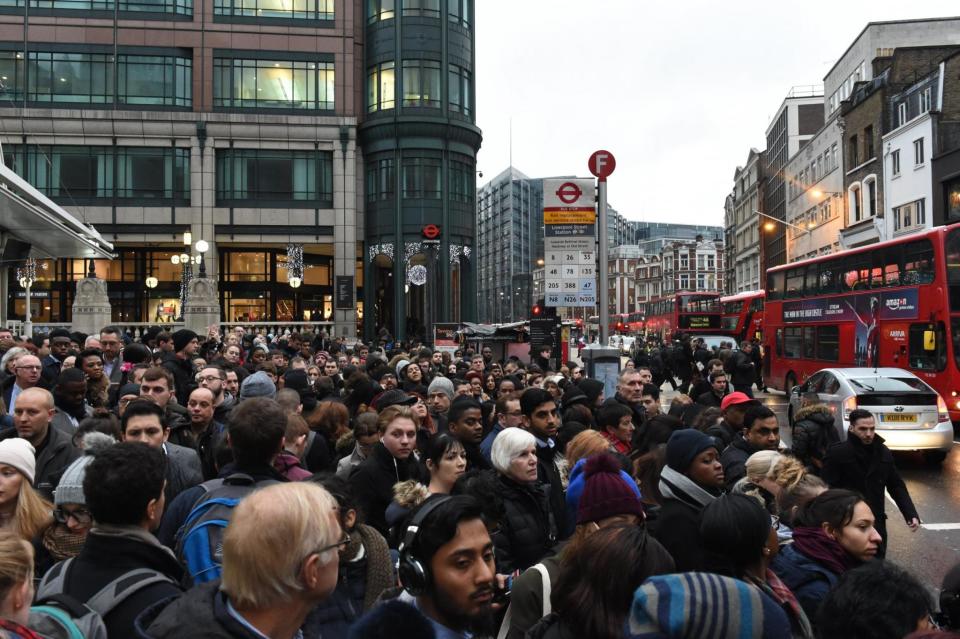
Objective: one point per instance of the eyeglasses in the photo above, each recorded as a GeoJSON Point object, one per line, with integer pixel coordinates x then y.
{"type": "Point", "coordinates": [774, 522]}
{"type": "Point", "coordinates": [81, 516]}
{"type": "Point", "coordinates": [339, 545]}
{"type": "Point", "coordinates": [209, 378]}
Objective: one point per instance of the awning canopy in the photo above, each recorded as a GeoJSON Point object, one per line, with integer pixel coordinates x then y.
{"type": "Point", "coordinates": [29, 216]}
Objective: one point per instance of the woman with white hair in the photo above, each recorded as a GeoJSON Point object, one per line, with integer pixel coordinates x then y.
{"type": "Point", "coordinates": [527, 533]}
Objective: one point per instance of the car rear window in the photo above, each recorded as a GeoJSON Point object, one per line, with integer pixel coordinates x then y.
{"type": "Point", "coordinates": [888, 384]}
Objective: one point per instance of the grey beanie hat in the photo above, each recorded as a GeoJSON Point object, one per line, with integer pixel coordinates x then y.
{"type": "Point", "coordinates": [70, 488]}
{"type": "Point", "coordinates": [441, 384]}
{"type": "Point", "coordinates": [258, 385]}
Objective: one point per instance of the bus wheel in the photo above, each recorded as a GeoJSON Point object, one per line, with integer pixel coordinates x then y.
{"type": "Point", "coordinates": [788, 385]}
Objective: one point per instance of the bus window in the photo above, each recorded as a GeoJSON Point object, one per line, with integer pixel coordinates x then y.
{"type": "Point", "coordinates": [918, 265]}
{"type": "Point", "coordinates": [756, 306]}
{"type": "Point", "coordinates": [920, 357]}
{"type": "Point", "coordinates": [809, 342]}
{"type": "Point", "coordinates": [794, 283]}
{"type": "Point", "coordinates": [775, 285]}
{"type": "Point", "coordinates": [828, 343]}
{"type": "Point", "coordinates": [955, 333]}
{"type": "Point", "coordinates": [792, 342]}
{"type": "Point", "coordinates": [952, 253]}
{"type": "Point", "coordinates": [780, 343]}
{"type": "Point", "coordinates": [828, 278]}
{"type": "Point", "coordinates": [811, 283]}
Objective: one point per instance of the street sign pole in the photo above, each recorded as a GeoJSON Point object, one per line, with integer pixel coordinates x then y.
{"type": "Point", "coordinates": [601, 164]}
{"type": "Point", "coordinates": [602, 252]}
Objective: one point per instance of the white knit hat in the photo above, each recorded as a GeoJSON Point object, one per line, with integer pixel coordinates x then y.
{"type": "Point", "coordinates": [20, 454]}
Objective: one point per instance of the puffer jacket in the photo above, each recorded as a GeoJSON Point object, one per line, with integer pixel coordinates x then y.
{"type": "Point", "coordinates": [814, 430]}
{"type": "Point", "coordinates": [526, 533]}
{"type": "Point", "coordinates": [808, 580]}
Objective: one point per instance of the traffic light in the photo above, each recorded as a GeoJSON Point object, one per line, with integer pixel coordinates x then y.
{"type": "Point", "coordinates": [537, 311]}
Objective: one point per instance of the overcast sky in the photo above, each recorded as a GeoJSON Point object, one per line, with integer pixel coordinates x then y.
{"type": "Point", "coordinates": [677, 91]}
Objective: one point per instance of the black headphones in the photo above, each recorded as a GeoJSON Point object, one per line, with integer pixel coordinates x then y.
{"type": "Point", "coordinates": [414, 574]}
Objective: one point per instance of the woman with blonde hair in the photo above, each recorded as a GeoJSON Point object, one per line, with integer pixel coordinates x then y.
{"type": "Point", "coordinates": [23, 511]}
{"type": "Point", "coordinates": [16, 587]}
{"type": "Point", "coordinates": [769, 475]}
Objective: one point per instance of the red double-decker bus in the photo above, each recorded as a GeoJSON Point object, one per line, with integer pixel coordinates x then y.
{"type": "Point", "coordinates": [686, 312]}
{"type": "Point", "coordinates": [896, 303]}
{"type": "Point", "coordinates": [742, 315]}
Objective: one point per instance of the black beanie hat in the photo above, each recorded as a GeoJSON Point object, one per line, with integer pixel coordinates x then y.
{"type": "Point", "coordinates": [181, 338]}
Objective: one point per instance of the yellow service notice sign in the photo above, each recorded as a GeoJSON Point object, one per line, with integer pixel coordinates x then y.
{"type": "Point", "coordinates": [569, 216]}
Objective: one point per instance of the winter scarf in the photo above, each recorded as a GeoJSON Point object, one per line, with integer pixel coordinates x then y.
{"type": "Point", "coordinates": [824, 549]}
{"type": "Point", "coordinates": [774, 588]}
{"type": "Point", "coordinates": [674, 485]}
{"type": "Point", "coordinates": [61, 543]}
{"type": "Point", "coordinates": [379, 565]}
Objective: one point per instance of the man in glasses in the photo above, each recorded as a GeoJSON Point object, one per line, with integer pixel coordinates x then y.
{"type": "Point", "coordinates": [26, 375]}
{"type": "Point", "coordinates": [273, 576]}
{"type": "Point", "coordinates": [507, 414]}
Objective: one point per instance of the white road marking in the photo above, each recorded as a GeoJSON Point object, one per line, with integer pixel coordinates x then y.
{"type": "Point", "coordinates": [941, 526]}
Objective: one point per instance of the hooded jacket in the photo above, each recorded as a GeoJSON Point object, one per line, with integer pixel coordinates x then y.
{"type": "Point", "coordinates": [110, 552]}
{"type": "Point", "coordinates": [200, 613]}
{"type": "Point", "coordinates": [734, 459]}
{"type": "Point", "coordinates": [814, 430]}
{"type": "Point", "coordinates": [373, 481]}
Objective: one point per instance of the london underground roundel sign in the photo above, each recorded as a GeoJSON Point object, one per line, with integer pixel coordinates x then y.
{"type": "Point", "coordinates": [431, 231]}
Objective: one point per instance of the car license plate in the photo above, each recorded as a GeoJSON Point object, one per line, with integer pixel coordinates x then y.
{"type": "Point", "coordinates": [899, 418]}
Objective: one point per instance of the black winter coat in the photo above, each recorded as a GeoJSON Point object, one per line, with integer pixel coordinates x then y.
{"type": "Point", "coordinates": [201, 613]}
{"type": "Point", "coordinates": [373, 481]}
{"type": "Point", "coordinates": [183, 378]}
{"type": "Point", "coordinates": [723, 433]}
{"type": "Point", "coordinates": [53, 456]}
{"type": "Point", "coordinates": [525, 536]}
{"type": "Point", "coordinates": [870, 471]}
{"type": "Point", "coordinates": [335, 614]}
{"type": "Point", "coordinates": [103, 558]}
{"type": "Point", "coordinates": [741, 368]}
{"type": "Point", "coordinates": [814, 431]}
{"type": "Point", "coordinates": [549, 476]}
{"type": "Point", "coordinates": [678, 530]}
{"type": "Point", "coordinates": [709, 399]}
{"type": "Point", "coordinates": [734, 459]}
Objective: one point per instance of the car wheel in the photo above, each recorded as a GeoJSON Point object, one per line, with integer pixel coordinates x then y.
{"type": "Point", "coordinates": [934, 456]}
{"type": "Point", "coordinates": [789, 383]}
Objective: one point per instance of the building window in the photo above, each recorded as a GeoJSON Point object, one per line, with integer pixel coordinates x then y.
{"type": "Point", "coordinates": [461, 182]}
{"type": "Point", "coordinates": [895, 162]}
{"type": "Point", "coordinates": [855, 204]}
{"type": "Point", "coordinates": [854, 151]}
{"type": "Point", "coordinates": [901, 114]}
{"type": "Point", "coordinates": [421, 178]}
{"type": "Point", "coordinates": [421, 83]}
{"type": "Point", "coordinates": [70, 77]}
{"type": "Point", "coordinates": [925, 99]}
{"type": "Point", "coordinates": [380, 10]}
{"type": "Point", "coordinates": [834, 155]}
{"type": "Point", "coordinates": [272, 84]}
{"type": "Point", "coordinates": [918, 152]}
{"type": "Point", "coordinates": [870, 205]}
{"type": "Point", "coordinates": [182, 7]}
{"type": "Point", "coordinates": [868, 142]}
{"type": "Point", "coordinates": [684, 261]}
{"type": "Point", "coordinates": [952, 195]}
{"type": "Point", "coordinates": [381, 87]}
{"type": "Point", "coordinates": [12, 75]}
{"type": "Point", "coordinates": [684, 282]}
{"type": "Point", "coordinates": [424, 8]}
{"type": "Point", "coordinates": [711, 262]}
{"type": "Point", "coordinates": [380, 180]}
{"type": "Point", "coordinates": [909, 216]}
{"type": "Point", "coordinates": [266, 9]}
{"type": "Point", "coordinates": [154, 80]}
{"type": "Point", "coordinates": [78, 173]}
{"type": "Point", "coordinates": [460, 94]}
{"type": "Point", "coordinates": [460, 12]}
{"type": "Point", "coordinates": [282, 178]}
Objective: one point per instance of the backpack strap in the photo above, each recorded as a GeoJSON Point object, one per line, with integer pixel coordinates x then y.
{"type": "Point", "coordinates": [121, 588]}
{"type": "Point", "coordinates": [54, 581]}
{"type": "Point", "coordinates": [547, 588]}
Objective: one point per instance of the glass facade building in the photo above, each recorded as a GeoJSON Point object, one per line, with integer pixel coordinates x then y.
{"type": "Point", "coordinates": [419, 142]}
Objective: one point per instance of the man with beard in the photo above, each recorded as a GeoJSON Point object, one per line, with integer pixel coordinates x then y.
{"type": "Point", "coordinates": [448, 575]}
{"type": "Point", "coordinates": [212, 378]}
{"type": "Point", "coordinates": [69, 397]}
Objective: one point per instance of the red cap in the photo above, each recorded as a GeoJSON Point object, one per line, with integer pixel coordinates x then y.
{"type": "Point", "coordinates": [734, 399]}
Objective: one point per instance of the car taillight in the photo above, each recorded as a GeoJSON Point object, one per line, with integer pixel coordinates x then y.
{"type": "Point", "coordinates": [943, 415]}
{"type": "Point", "coordinates": [849, 405]}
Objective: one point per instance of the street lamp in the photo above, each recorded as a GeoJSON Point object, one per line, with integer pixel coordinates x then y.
{"type": "Point", "coordinates": [26, 276]}
{"type": "Point", "coordinates": [770, 225]}
{"type": "Point", "coordinates": [818, 193]}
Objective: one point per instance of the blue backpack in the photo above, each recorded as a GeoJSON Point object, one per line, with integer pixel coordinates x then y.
{"type": "Point", "coordinates": [200, 540]}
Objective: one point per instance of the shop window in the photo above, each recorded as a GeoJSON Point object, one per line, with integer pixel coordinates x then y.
{"type": "Point", "coordinates": [247, 266]}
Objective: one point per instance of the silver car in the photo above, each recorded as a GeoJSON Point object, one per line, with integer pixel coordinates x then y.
{"type": "Point", "coordinates": [910, 414]}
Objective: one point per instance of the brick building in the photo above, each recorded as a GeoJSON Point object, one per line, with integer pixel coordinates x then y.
{"type": "Point", "coordinates": [692, 266]}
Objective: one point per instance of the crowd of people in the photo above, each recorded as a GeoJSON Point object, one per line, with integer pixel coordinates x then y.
{"type": "Point", "coordinates": [293, 485]}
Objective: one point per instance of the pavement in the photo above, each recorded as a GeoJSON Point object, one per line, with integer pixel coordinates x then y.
{"type": "Point", "coordinates": [931, 551]}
